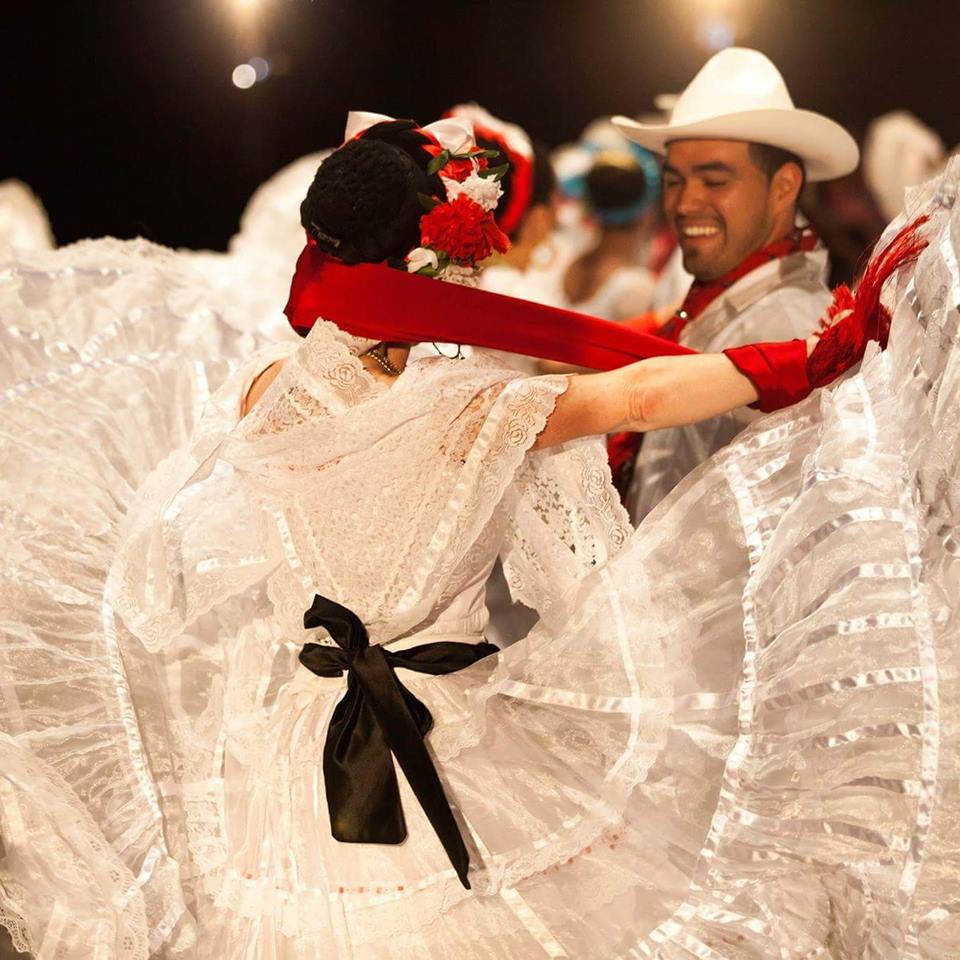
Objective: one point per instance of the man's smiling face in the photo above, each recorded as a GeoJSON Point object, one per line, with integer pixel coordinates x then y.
{"type": "Point", "coordinates": [720, 203]}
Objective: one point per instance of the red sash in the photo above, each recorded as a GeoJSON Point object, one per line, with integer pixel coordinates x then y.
{"type": "Point", "coordinates": [378, 302]}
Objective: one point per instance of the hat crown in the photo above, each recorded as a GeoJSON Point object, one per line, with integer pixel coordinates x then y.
{"type": "Point", "coordinates": [739, 95]}
{"type": "Point", "coordinates": [732, 81]}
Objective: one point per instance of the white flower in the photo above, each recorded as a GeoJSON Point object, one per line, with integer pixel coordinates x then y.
{"type": "Point", "coordinates": [483, 190]}
{"type": "Point", "coordinates": [465, 276]}
{"type": "Point", "coordinates": [421, 257]}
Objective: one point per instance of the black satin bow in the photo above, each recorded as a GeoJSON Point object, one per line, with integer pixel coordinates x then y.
{"type": "Point", "coordinates": [378, 716]}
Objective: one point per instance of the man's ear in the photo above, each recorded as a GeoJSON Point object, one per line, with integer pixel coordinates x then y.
{"type": "Point", "coordinates": [785, 186]}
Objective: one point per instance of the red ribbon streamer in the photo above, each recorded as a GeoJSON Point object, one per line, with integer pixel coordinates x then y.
{"type": "Point", "coordinates": [377, 302]}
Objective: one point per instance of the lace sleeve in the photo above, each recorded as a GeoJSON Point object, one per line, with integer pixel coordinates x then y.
{"type": "Point", "coordinates": [565, 518]}
{"type": "Point", "coordinates": [322, 378]}
{"type": "Point", "coordinates": [499, 426]}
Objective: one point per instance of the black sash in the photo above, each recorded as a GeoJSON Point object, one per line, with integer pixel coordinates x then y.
{"type": "Point", "coordinates": [378, 716]}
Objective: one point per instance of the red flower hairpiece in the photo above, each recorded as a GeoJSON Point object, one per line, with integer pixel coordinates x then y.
{"type": "Point", "coordinates": [457, 233]}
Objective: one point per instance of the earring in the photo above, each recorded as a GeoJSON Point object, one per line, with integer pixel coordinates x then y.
{"type": "Point", "coordinates": [457, 356]}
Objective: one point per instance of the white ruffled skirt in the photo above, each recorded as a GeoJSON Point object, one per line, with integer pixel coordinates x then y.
{"type": "Point", "coordinates": [738, 739]}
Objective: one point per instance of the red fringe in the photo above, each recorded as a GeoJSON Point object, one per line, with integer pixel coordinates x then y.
{"type": "Point", "coordinates": [842, 343]}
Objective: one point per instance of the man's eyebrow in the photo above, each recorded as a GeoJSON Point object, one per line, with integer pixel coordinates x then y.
{"type": "Point", "coordinates": [715, 166]}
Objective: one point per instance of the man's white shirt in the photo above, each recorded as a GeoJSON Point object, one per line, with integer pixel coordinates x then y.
{"type": "Point", "coordinates": [781, 300]}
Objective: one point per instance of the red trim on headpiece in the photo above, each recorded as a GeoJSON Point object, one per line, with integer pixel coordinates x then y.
{"type": "Point", "coordinates": [426, 133]}
{"type": "Point", "coordinates": [521, 193]}
{"type": "Point", "coordinates": [381, 303]}
{"type": "Point", "coordinates": [508, 215]}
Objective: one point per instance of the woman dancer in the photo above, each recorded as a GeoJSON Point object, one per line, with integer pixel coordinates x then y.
{"type": "Point", "coordinates": [174, 761]}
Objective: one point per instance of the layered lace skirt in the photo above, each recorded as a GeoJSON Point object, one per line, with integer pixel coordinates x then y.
{"type": "Point", "coordinates": [736, 739]}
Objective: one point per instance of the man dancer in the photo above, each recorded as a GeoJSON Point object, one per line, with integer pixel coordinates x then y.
{"type": "Point", "coordinates": [737, 153]}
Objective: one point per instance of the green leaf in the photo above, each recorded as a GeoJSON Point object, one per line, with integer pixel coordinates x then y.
{"type": "Point", "coordinates": [428, 272]}
{"type": "Point", "coordinates": [438, 162]}
{"type": "Point", "coordinates": [428, 203]}
{"type": "Point", "coordinates": [489, 154]}
{"type": "Point", "coordinates": [496, 172]}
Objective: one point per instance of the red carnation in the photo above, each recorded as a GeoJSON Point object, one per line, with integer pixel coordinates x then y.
{"type": "Point", "coordinates": [457, 169]}
{"type": "Point", "coordinates": [463, 230]}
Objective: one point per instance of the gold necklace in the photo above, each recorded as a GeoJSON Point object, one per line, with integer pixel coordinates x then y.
{"type": "Point", "coordinates": [379, 354]}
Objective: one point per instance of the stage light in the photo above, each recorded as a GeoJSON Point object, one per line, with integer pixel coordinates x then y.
{"type": "Point", "coordinates": [261, 67]}
{"type": "Point", "coordinates": [715, 32]}
{"type": "Point", "coordinates": [244, 76]}
{"type": "Point", "coordinates": [716, 7]}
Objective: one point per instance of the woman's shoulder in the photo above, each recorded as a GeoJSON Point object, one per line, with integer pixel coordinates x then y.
{"type": "Point", "coordinates": [259, 384]}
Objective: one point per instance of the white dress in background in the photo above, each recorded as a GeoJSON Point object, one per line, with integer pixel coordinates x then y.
{"type": "Point", "coordinates": [24, 224]}
{"type": "Point", "coordinates": [672, 283]}
{"type": "Point", "coordinates": [251, 282]}
{"type": "Point", "coordinates": [626, 293]}
{"type": "Point", "coordinates": [731, 734]}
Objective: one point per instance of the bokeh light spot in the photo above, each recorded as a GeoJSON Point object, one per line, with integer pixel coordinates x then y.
{"type": "Point", "coordinates": [261, 67]}
{"type": "Point", "coordinates": [715, 33]}
{"type": "Point", "coordinates": [244, 76]}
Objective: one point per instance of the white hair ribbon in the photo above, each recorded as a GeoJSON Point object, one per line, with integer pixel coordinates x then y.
{"type": "Point", "coordinates": [453, 134]}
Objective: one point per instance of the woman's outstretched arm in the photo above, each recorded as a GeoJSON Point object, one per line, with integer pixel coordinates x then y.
{"type": "Point", "coordinates": [649, 395]}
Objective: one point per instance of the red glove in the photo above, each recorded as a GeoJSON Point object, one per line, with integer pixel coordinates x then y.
{"type": "Point", "coordinates": [783, 374]}
{"type": "Point", "coordinates": [777, 370]}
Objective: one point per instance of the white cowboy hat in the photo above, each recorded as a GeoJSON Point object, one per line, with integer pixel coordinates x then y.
{"type": "Point", "coordinates": [740, 95]}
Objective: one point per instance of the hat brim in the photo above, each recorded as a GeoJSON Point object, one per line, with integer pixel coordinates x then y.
{"type": "Point", "coordinates": [826, 149]}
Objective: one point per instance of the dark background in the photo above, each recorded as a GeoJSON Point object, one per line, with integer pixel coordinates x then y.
{"type": "Point", "coordinates": [124, 119]}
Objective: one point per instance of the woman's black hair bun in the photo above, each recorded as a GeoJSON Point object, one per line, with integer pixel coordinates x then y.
{"type": "Point", "coordinates": [363, 205]}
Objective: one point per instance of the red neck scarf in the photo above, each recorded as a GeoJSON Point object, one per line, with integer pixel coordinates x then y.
{"type": "Point", "coordinates": [703, 292]}
{"type": "Point", "coordinates": [377, 302]}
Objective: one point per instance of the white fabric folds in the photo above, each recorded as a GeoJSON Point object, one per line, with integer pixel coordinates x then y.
{"type": "Point", "coordinates": [732, 734]}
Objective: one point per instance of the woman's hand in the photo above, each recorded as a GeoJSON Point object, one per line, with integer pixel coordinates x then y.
{"type": "Point", "coordinates": [649, 395]}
